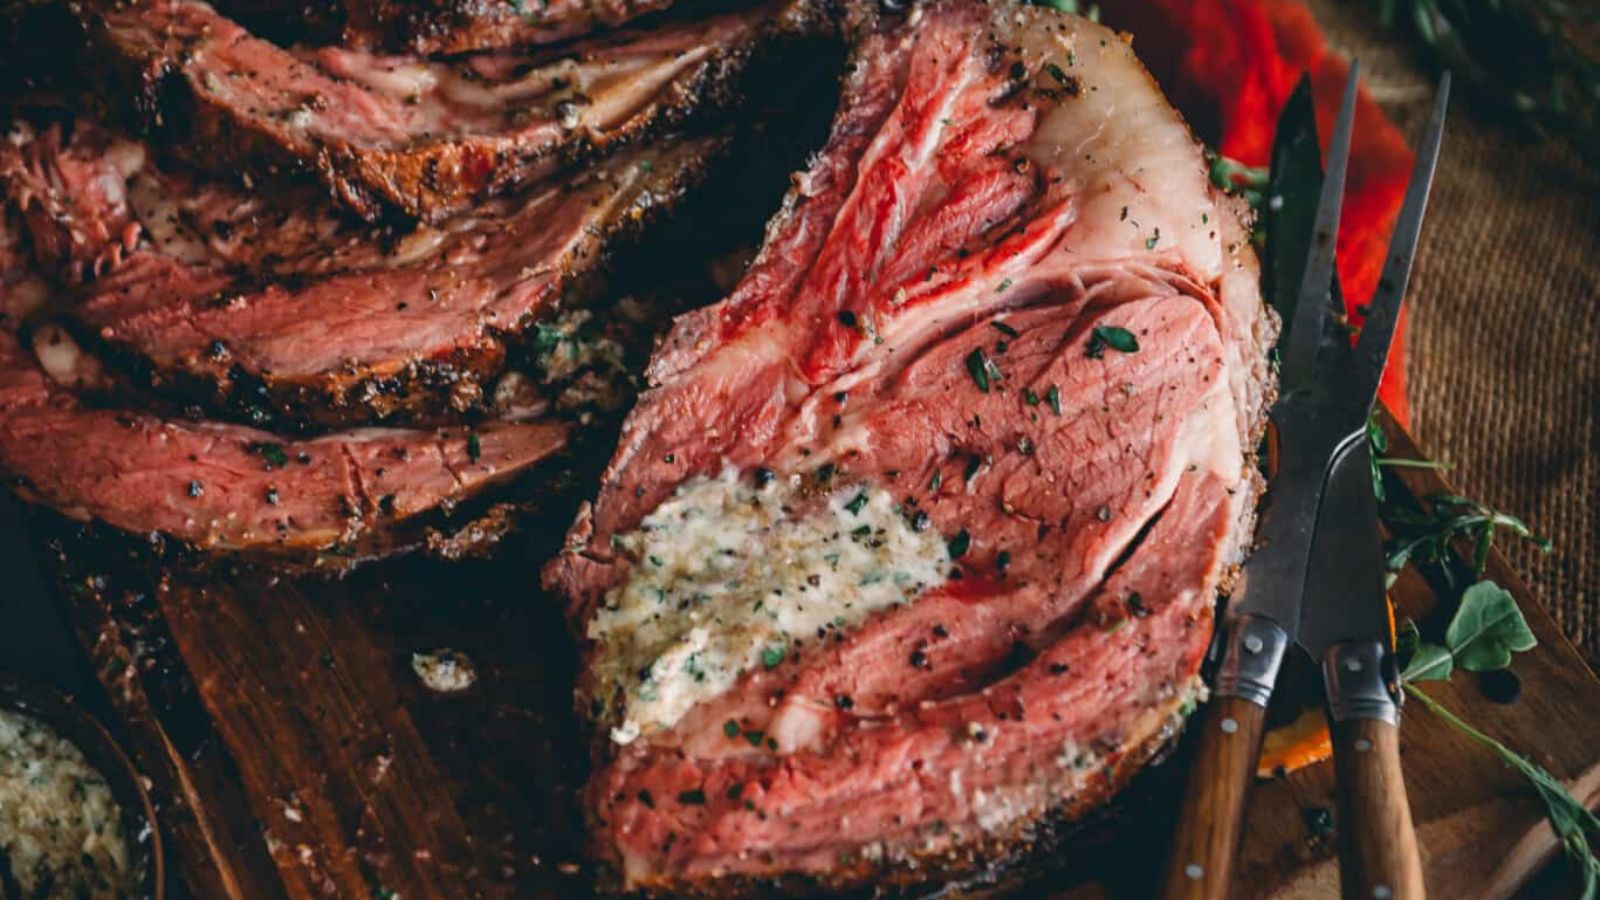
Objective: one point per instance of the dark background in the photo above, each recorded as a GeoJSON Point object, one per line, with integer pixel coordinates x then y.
{"type": "Point", "coordinates": [34, 639]}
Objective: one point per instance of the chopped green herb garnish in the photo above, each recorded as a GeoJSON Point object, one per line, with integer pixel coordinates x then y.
{"type": "Point", "coordinates": [1056, 73]}
{"type": "Point", "coordinates": [474, 448]}
{"type": "Point", "coordinates": [857, 503]}
{"type": "Point", "coordinates": [959, 544]}
{"type": "Point", "coordinates": [1249, 182]}
{"type": "Point", "coordinates": [771, 657]}
{"type": "Point", "coordinates": [936, 480]}
{"type": "Point", "coordinates": [1004, 329]}
{"type": "Point", "coordinates": [1053, 397]}
{"type": "Point", "coordinates": [730, 728]}
{"type": "Point", "coordinates": [825, 472]}
{"type": "Point", "coordinates": [695, 797]}
{"type": "Point", "coordinates": [1114, 336]}
{"type": "Point", "coordinates": [271, 452]}
{"type": "Point", "coordinates": [1029, 397]}
{"type": "Point", "coordinates": [1005, 283]}
{"type": "Point", "coordinates": [978, 367]}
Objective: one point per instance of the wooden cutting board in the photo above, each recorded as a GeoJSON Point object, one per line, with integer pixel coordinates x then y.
{"type": "Point", "coordinates": [293, 751]}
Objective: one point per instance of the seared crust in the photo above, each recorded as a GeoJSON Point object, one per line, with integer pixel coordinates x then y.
{"type": "Point", "coordinates": [277, 310]}
{"type": "Point", "coordinates": [992, 859]}
{"type": "Point", "coordinates": [462, 26]}
{"type": "Point", "coordinates": [159, 57]}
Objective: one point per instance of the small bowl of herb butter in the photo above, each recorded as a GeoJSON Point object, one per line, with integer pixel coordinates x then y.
{"type": "Point", "coordinates": [75, 818]}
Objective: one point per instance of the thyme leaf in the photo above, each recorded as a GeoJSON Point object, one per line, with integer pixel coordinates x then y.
{"type": "Point", "coordinates": [1114, 336]}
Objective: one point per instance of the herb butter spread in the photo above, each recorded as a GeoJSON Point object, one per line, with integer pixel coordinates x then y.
{"type": "Point", "coordinates": [731, 576]}
{"type": "Point", "coordinates": [60, 828]}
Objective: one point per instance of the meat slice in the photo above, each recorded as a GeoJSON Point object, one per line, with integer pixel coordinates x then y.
{"type": "Point", "coordinates": [439, 26]}
{"type": "Point", "coordinates": [274, 306]}
{"type": "Point", "coordinates": [228, 487]}
{"type": "Point", "coordinates": [426, 138]}
{"type": "Point", "coordinates": [913, 540]}
{"type": "Point", "coordinates": [458, 26]}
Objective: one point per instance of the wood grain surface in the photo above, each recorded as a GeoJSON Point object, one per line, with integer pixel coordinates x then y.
{"type": "Point", "coordinates": [1378, 856]}
{"type": "Point", "coordinates": [294, 753]}
{"type": "Point", "coordinates": [1222, 772]}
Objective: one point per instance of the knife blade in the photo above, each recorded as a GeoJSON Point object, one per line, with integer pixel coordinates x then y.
{"type": "Point", "coordinates": [1264, 614]}
{"type": "Point", "coordinates": [1345, 621]}
{"type": "Point", "coordinates": [1343, 598]}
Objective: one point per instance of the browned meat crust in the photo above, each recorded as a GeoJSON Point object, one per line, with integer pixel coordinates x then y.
{"type": "Point", "coordinates": [279, 310]}
{"type": "Point", "coordinates": [234, 488]}
{"type": "Point", "coordinates": [423, 138]}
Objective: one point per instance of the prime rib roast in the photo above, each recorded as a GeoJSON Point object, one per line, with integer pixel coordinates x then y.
{"type": "Point", "coordinates": [206, 287]}
{"type": "Point", "coordinates": [910, 544]}
{"type": "Point", "coordinates": [225, 486]}
{"type": "Point", "coordinates": [1004, 352]}
{"type": "Point", "coordinates": [426, 137]}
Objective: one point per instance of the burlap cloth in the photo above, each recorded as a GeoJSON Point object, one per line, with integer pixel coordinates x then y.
{"type": "Point", "coordinates": [1505, 328]}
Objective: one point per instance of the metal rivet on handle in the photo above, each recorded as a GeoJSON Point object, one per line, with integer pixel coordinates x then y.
{"type": "Point", "coordinates": [1382, 892]}
{"type": "Point", "coordinates": [1194, 871]}
{"type": "Point", "coordinates": [1352, 664]}
{"type": "Point", "coordinates": [1229, 725]}
{"type": "Point", "coordinates": [1253, 643]}
{"type": "Point", "coordinates": [1362, 746]}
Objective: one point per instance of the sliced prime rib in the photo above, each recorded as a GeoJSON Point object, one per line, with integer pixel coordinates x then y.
{"type": "Point", "coordinates": [229, 487]}
{"type": "Point", "coordinates": [440, 26]}
{"type": "Point", "coordinates": [1003, 350]}
{"type": "Point", "coordinates": [275, 307]}
{"type": "Point", "coordinates": [427, 138]}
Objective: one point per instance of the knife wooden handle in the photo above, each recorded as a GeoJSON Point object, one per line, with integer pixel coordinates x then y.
{"type": "Point", "coordinates": [1206, 844]}
{"type": "Point", "coordinates": [1378, 856]}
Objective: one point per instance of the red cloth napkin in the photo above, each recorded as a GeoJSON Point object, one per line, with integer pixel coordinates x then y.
{"type": "Point", "coordinates": [1229, 66]}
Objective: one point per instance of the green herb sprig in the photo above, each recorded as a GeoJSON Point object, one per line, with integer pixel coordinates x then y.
{"type": "Point", "coordinates": [1485, 633]}
{"type": "Point", "coordinates": [1427, 535]}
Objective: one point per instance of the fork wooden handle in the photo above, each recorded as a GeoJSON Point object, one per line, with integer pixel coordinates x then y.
{"type": "Point", "coordinates": [1378, 856]}
{"type": "Point", "coordinates": [1206, 843]}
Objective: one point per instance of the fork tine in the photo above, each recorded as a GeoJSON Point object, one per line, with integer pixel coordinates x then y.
{"type": "Point", "coordinates": [1377, 331]}
{"type": "Point", "coordinates": [1311, 306]}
